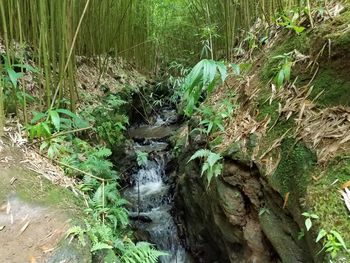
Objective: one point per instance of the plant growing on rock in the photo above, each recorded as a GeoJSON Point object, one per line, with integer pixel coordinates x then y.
{"type": "Point", "coordinates": [212, 165]}
{"type": "Point", "coordinates": [308, 220]}
{"type": "Point", "coordinates": [333, 242]}
{"type": "Point", "coordinates": [283, 69]}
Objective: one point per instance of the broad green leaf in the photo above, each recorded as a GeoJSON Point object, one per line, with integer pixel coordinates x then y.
{"type": "Point", "coordinates": [223, 71]}
{"type": "Point", "coordinates": [27, 67]}
{"type": "Point", "coordinates": [308, 224]}
{"type": "Point", "coordinates": [199, 154]}
{"type": "Point", "coordinates": [55, 118]}
{"type": "Point", "coordinates": [339, 238]}
{"type": "Point", "coordinates": [14, 76]}
{"type": "Point", "coordinates": [37, 116]}
{"type": "Point", "coordinates": [236, 69]}
{"type": "Point", "coordinates": [213, 158]}
{"type": "Point", "coordinates": [321, 235]}
{"type": "Point", "coordinates": [286, 70]}
{"type": "Point", "coordinates": [205, 168]}
{"type": "Point", "coordinates": [67, 112]}
{"type": "Point", "coordinates": [280, 78]}
{"type": "Point", "coordinates": [46, 129]}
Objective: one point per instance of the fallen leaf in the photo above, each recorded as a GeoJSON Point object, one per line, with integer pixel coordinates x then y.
{"type": "Point", "coordinates": [2, 228]}
{"type": "Point", "coordinates": [24, 228]}
{"type": "Point", "coordinates": [8, 208]}
{"type": "Point", "coordinates": [345, 185]}
{"type": "Point", "coordinates": [32, 259]}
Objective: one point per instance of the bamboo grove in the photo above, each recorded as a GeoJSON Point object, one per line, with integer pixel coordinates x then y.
{"type": "Point", "coordinates": [149, 33]}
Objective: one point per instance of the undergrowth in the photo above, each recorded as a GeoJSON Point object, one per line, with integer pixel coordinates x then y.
{"type": "Point", "coordinates": [61, 136]}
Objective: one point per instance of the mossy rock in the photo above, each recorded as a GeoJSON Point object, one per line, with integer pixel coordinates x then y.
{"type": "Point", "coordinates": [335, 85]}
{"type": "Point", "coordinates": [289, 43]}
{"type": "Point", "coordinates": [325, 200]}
{"type": "Point", "coordinates": [292, 173]}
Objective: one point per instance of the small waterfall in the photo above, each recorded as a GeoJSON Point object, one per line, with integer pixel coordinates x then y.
{"type": "Point", "coordinates": [151, 202]}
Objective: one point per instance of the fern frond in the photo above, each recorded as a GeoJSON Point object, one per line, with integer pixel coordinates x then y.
{"type": "Point", "coordinates": [142, 252]}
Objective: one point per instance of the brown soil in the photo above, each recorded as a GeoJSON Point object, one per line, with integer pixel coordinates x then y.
{"type": "Point", "coordinates": [28, 232]}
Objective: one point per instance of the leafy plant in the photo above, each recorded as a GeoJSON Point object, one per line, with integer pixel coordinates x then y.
{"type": "Point", "coordinates": [308, 220]}
{"type": "Point", "coordinates": [284, 68]}
{"type": "Point", "coordinates": [109, 122]}
{"type": "Point", "coordinates": [332, 242]}
{"type": "Point", "coordinates": [202, 78]}
{"type": "Point", "coordinates": [140, 252]}
{"type": "Point", "coordinates": [211, 166]}
{"type": "Point", "coordinates": [44, 124]}
{"type": "Point", "coordinates": [10, 78]}
{"type": "Point", "coordinates": [291, 22]}
{"type": "Point", "coordinates": [142, 158]}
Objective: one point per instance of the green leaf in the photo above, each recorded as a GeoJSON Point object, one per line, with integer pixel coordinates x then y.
{"type": "Point", "coordinates": [321, 235]}
{"type": "Point", "coordinates": [27, 67]}
{"type": "Point", "coordinates": [205, 168]}
{"type": "Point", "coordinates": [280, 78]}
{"type": "Point", "coordinates": [55, 118]}
{"type": "Point", "coordinates": [236, 69]}
{"type": "Point", "coordinates": [199, 154]}
{"type": "Point", "coordinates": [223, 70]}
{"type": "Point", "coordinates": [213, 158]}
{"type": "Point", "coordinates": [308, 224]}
{"type": "Point", "coordinates": [286, 70]}
{"type": "Point", "coordinates": [37, 116]}
{"type": "Point", "coordinates": [339, 238]}
{"type": "Point", "coordinates": [67, 112]}
{"type": "Point", "coordinates": [46, 128]}
{"type": "Point", "coordinates": [100, 246]}
{"type": "Point", "coordinates": [298, 29]}
{"type": "Point", "coordinates": [14, 76]}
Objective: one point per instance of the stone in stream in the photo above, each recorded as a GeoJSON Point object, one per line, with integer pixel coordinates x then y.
{"type": "Point", "coordinates": [152, 132]}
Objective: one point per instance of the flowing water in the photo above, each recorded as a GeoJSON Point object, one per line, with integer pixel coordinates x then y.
{"type": "Point", "coordinates": [149, 195]}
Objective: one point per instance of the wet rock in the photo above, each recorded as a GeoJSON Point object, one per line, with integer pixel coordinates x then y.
{"type": "Point", "coordinates": [72, 252]}
{"type": "Point", "coordinates": [232, 203]}
{"type": "Point", "coordinates": [222, 223]}
{"type": "Point", "coordinates": [151, 132]}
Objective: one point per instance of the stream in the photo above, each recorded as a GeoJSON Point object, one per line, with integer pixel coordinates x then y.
{"type": "Point", "coordinates": [150, 191]}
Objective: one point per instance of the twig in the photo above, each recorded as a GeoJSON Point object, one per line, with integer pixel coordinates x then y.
{"type": "Point", "coordinates": [81, 171]}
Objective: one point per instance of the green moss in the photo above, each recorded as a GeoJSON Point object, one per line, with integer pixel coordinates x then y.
{"type": "Point", "coordinates": [33, 188]}
{"type": "Point", "coordinates": [325, 199]}
{"type": "Point", "coordinates": [267, 110]}
{"type": "Point", "coordinates": [337, 31]}
{"type": "Point", "coordinates": [335, 86]}
{"type": "Point", "coordinates": [289, 43]}
{"type": "Point", "coordinates": [292, 173]}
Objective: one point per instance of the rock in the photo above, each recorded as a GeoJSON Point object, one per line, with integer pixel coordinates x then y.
{"type": "Point", "coordinates": [222, 223]}
{"type": "Point", "coordinates": [72, 252]}
{"type": "Point", "coordinates": [151, 132]}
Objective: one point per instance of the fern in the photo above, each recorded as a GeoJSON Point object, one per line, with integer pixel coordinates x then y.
{"type": "Point", "coordinates": [142, 252]}
{"type": "Point", "coordinates": [212, 165]}
{"type": "Point", "coordinates": [78, 232]}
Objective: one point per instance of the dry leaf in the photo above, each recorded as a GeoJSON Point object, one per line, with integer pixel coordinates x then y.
{"type": "Point", "coordinates": [346, 197]}
{"type": "Point", "coordinates": [286, 197]}
{"type": "Point", "coordinates": [24, 228]}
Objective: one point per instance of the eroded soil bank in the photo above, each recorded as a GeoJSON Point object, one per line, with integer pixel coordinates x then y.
{"type": "Point", "coordinates": [35, 214]}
